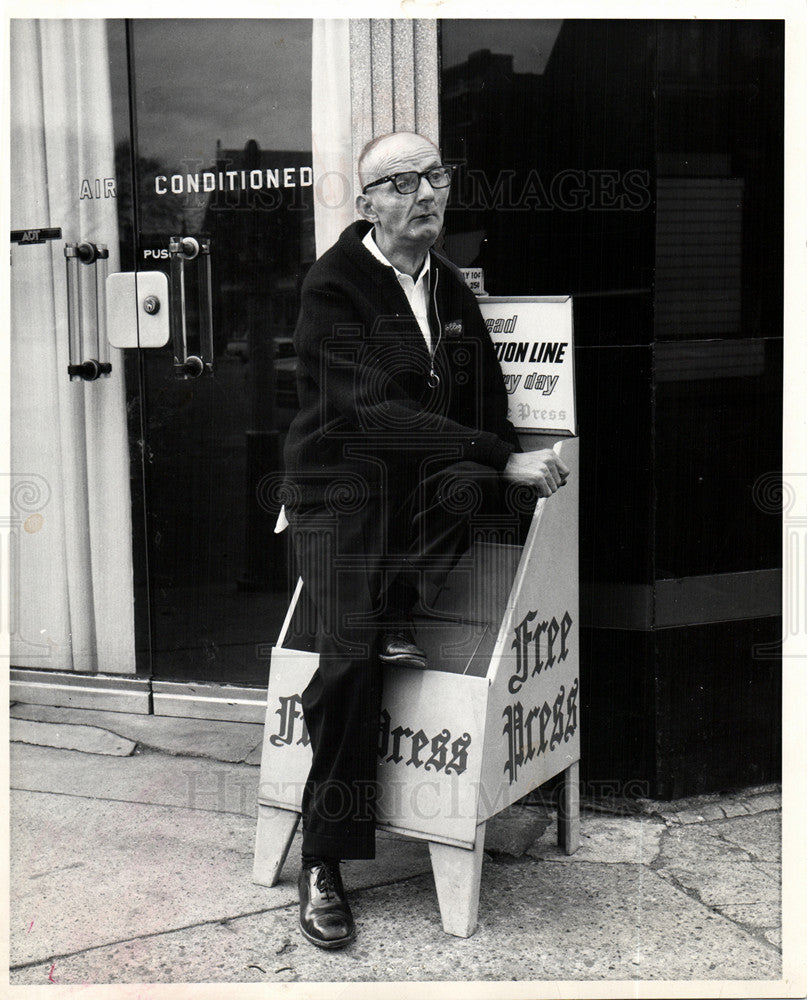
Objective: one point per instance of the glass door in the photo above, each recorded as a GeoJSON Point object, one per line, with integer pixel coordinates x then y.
{"type": "Point", "coordinates": [214, 132]}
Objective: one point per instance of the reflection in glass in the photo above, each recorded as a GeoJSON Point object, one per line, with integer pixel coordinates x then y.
{"type": "Point", "coordinates": [222, 153]}
{"type": "Point", "coordinates": [552, 132]}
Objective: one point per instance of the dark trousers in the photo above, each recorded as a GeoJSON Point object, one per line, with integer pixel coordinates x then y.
{"type": "Point", "coordinates": [361, 568]}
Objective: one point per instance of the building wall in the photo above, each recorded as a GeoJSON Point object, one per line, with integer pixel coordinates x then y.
{"type": "Point", "coordinates": [638, 166]}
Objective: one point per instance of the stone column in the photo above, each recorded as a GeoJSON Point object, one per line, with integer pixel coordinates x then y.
{"type": "Point", "coordinates": [393, 78]}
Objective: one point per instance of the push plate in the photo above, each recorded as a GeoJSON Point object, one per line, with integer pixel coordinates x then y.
{"type": "Point", "coordinates": [137, 309]}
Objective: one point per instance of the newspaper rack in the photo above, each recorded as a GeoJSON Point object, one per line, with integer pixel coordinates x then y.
{"type": "Point", "coordinates": [495, 715]}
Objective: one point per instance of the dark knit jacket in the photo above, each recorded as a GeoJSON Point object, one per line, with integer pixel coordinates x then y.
{"type": "Point", "coordinates": [369, 422]}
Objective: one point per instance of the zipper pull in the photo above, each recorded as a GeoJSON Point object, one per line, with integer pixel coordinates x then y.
{"type": "Point", "coordinates": [434, 378]}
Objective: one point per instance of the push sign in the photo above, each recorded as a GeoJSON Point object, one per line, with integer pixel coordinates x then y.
{"type": "Point", "coordinates": [155, 253]}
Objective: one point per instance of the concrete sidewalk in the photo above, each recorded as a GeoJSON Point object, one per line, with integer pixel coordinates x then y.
{"type": "Point", "coordinates": [131, 857]}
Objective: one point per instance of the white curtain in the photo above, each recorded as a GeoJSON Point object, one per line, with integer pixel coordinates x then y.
{"type": "Point", "coordinates": [331, 131]}
{"type": "Point", "coordinates": [72, 600]}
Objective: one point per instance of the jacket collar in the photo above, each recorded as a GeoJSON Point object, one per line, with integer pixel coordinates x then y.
{"type": "Point", "coordinates": [383, 275]}
{"type": "Point", "coordinates": [370, 244]}
{"type": "Point", "coordinates": [350, 242]}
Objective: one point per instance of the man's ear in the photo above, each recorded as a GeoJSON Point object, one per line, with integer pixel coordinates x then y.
{"type": "Point", "coordinates": [364, 206]}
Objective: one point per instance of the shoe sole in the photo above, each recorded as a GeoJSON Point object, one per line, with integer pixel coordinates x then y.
{"type": "Point", "coordinates": [337, 943]}
{"type": "Point", "coordinates": [405, 661]}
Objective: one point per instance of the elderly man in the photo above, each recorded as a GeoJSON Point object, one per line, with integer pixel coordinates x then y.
{"type": "Point", "coordinates": [401, 439]}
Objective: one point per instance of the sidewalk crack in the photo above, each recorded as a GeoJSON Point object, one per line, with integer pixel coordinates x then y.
{"type": "Point", "coordinates": [756, 933]}
{"type": "Point", "coordinates": [151, 934]}
{"type": "Point", "coordinates": [133, 802]}
{"type": "Point", "coordinates": [213, 921]}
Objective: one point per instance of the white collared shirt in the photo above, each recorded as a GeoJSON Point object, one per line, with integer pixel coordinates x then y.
{"type": "Point", "coordinates": [416, 290]}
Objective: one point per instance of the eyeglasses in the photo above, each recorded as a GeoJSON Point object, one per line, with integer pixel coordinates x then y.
{"type": "Point", "coordinates": [408, 181]}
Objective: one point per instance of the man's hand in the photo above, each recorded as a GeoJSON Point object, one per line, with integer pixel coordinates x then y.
{"type": "Point", "coordinates": [541, 469]}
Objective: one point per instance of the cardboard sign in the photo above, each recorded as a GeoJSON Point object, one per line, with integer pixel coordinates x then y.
{"type": "Point", "coordinates": [533, 337]}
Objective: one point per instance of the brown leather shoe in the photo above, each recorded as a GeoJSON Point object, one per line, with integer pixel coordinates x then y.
{"type": "Point", "coordinates": [325, 917]}
{"type": "Point", "coordinates": [397, 646]}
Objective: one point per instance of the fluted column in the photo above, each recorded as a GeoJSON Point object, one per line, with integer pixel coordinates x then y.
{"type": "Point", "coordinates": [371, 76]}
{"type": "Point", "coordinates": [393, 78]}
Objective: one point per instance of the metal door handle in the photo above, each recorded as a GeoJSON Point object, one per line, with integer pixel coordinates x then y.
{"type": "Point", "coordinates": [187, 364]}
{"type": "Point", "coordinates": [88, 355]}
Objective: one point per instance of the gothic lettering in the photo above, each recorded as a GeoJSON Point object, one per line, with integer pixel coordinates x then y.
{"type": "Point", "coordinates": [529, 751]}
{"type": "Point", "coordinates": [527, 644]}
{"type": "Point", "coordinates": [397, 735]}
{"type": "Point", "coordinates": [436, 753]}
{"type": "Point", "coordinates": [459, 754]}
{"type": "Point", "coordinates": [571, 712]}
{"type": "Point", "coordinates": [529, 734]}
{"type": "Point", "coordinates": [557, 719]}
{"type": "Point", "coordinates": [290, 710]}
{"type": "Point", "coordinates": [543, 718]}
{"type": "Point", "coordinates": [539, 663]}
{"type": "Point", "coordinates": [551, 634]}
{"type": "Point", "coordinates": [383, 733]}
{"type": "Point", "coordinates": [521, 646]}
{"type": "Point", "coordinates": [419, 741]}
{"type": "Point", "coordinates": [438, 757]}
{"type": "Point", "coordinates": [565, 629]}
{"type": "Point", "coordinates": [514, 731]}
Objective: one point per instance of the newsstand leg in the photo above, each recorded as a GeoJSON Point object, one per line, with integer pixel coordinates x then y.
{"type": "Point", "coordinates": [457, 877]}
{"type": "Point", "coordinates": [569, 809]}
{"type": "Point", "coordinates": [275, 832]}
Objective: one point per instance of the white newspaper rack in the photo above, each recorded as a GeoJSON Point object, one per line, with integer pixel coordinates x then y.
{"type": "Point", "coordinates": [495, 715]}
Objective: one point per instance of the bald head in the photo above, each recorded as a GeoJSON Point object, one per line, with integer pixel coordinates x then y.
{"type": "Point", "coordinates": [388, 154]}
{"type": "Point", "coordinates": [406, 225]}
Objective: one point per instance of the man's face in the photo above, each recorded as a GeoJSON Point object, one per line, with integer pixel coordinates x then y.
{"type": "Point", "coordinates": [404, 221]}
